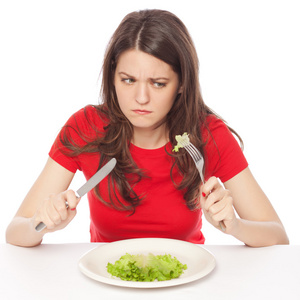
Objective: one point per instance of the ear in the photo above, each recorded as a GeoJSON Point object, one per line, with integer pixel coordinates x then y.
{"type": "Point", "coordinates": [180, 90]}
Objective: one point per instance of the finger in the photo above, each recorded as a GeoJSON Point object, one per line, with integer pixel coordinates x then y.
{"type": "Point", "coordinates": [210, 185]}
{"type": "Point", "coordinates": [214, 197]}
{"type": "Point", "coordinates": [54, 211]}
{"type": "Point", "coordinates": [202, 199]}
{"type": "Point", "coordinates": [47, 219]}
{"type": "Point", "coordinates": [71, 215]}
{"type": "Point", "coordinates": [59, 205]}
{"type": "Point", "coordinates": [223, 215]}
{"type": "Point", "coordinates": [225, 204]}
{"type": "Point", "coordinates": [216, 207]}
{"type": "Point", "coordinates": [71, 199]}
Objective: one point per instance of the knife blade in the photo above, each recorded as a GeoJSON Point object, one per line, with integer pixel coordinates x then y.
{"type": "Point", "coordinates": [91, 183]}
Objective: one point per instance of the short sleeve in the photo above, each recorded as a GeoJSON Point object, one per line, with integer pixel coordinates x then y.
{"type": "Point", "coordinates": [82, 127]}
{"type": "Point", "coordinates": [60, 153]}
{"type": "Point", "coordinates": [224, 157]}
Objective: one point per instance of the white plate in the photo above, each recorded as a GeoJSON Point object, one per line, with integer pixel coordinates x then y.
{"type": "Point", "coordinates": [199, 261]}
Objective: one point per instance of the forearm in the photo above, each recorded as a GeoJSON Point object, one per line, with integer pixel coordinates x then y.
{"type": "Point", "coordinates": [21, 232]}
{"type": "Point", "coordinates": [260, 234]}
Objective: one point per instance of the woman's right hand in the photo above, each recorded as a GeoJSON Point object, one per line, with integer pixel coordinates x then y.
{"type": "Point", "coordinates": [45, 202]}
{"type": "Point", "coordinates": [54, 213]}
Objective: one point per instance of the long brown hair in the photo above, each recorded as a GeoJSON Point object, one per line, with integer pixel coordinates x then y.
{"type": "Point", "coordinates": [164, 36]}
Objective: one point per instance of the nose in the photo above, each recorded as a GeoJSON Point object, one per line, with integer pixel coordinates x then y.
{"type": "Point", "coordinates": [142, 93]}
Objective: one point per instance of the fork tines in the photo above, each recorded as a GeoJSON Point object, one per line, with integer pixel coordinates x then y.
{"type": "Point", "coordinates": [193, 151]}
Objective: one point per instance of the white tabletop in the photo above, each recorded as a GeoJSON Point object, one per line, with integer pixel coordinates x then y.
{"type": "Point", "coordinates": [50, 271]}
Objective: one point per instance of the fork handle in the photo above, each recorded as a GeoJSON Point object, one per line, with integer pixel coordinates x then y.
{"type": "Point", "coordinates": [222, 225]}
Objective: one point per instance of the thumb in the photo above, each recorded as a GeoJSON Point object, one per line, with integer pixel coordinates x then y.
{"type": "Point", "coordinates": [202, 198]}
{"type": "Point", "coordinates": [71, 214]}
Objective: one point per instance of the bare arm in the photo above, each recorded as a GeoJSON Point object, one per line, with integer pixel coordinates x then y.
{"type": "Point", "coordinates": [45, 202]}
{"type": "Point", "coordinates": [258, 225]}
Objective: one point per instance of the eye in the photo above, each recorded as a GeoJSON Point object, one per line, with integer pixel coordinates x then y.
{"type": "Point", "coordinates": [159, 84]}
{"type": "Point", "coordinates": [128, 80]}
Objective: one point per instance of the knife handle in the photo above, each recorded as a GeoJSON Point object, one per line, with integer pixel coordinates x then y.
{"type": "Point", "coordinates": [39, 227]}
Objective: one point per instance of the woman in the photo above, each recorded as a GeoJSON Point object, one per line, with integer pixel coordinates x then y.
{"type": "Point", "coordinates": [150, 94]}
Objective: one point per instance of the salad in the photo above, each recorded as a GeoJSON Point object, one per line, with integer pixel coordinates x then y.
{"type": "Point", "coordinates": [182, 140]}
{"type": "Point", "coordinates": [146, 267]}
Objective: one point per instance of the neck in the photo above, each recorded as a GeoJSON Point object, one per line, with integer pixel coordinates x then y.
{"type": "Point", "coordinates": [150, 139]}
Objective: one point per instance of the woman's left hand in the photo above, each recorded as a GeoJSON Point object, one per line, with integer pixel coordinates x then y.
{"type": "Point", "coordinates": [217, 205]}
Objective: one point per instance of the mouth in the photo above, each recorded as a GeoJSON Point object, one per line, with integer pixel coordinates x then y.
{"type": "Point", "coordinates": [141, 111]}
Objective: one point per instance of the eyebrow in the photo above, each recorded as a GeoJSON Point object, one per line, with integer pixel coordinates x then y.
{"type": "Point", "coordinates": [157, 78]}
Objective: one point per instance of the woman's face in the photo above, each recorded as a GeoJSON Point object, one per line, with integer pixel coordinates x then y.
{"type": "Point", "coordinates": [146, 88]}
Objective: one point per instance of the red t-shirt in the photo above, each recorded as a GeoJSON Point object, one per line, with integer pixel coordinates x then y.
{"type": "Point", "coordinates": [162, 212]}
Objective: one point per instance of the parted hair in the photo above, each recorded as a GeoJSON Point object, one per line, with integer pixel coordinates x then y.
{"type": "Point", "coordinates": [164, 36]}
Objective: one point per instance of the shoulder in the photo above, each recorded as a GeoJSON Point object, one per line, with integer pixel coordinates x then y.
{"type": "Point", "coordinates": [216, 132]}
{"type": "Point", "coordinates": [84, 126]}
{"type": "Point", "coordinates": [215, 125]}
{"type": "Point", "coordinates": [90, 113]}
{"type": "Point", "coordinates": [88, 118]}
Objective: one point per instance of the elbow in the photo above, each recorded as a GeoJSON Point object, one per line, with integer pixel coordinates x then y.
{"type": "Point", "coordinates": [275, 234]}
{"type": "Point", "coordinates": [8, 235]}
{"type": "Point", "coordinates": [283, 238]}
{"type": "Point", "coordinates": [16, 237]}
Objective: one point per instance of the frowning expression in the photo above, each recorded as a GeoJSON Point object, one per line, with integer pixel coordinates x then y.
{"type": "Point", "coordinates": [146, 88]}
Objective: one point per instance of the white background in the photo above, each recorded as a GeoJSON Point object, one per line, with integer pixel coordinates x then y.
{"type": "Point", "coordinates": [51, 56]}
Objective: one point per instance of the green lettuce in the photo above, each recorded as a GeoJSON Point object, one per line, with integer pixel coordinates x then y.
{"type": "Point", "coordinates": [181, 141]}
{"type": "Point", "coordinates": [146, 267]}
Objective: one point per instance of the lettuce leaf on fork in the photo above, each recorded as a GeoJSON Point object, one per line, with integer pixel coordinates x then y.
{"type": "Point", "coordinates": [181, 141]}
{"type": "Point", "coordinates": [146, 267]}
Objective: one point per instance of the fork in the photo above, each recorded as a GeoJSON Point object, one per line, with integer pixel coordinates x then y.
{"type": "Point", "coordinates": [199, 162]}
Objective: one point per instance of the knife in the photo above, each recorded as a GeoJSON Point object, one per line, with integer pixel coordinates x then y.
{"type": "Point", "coordinates": [91, 183]}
